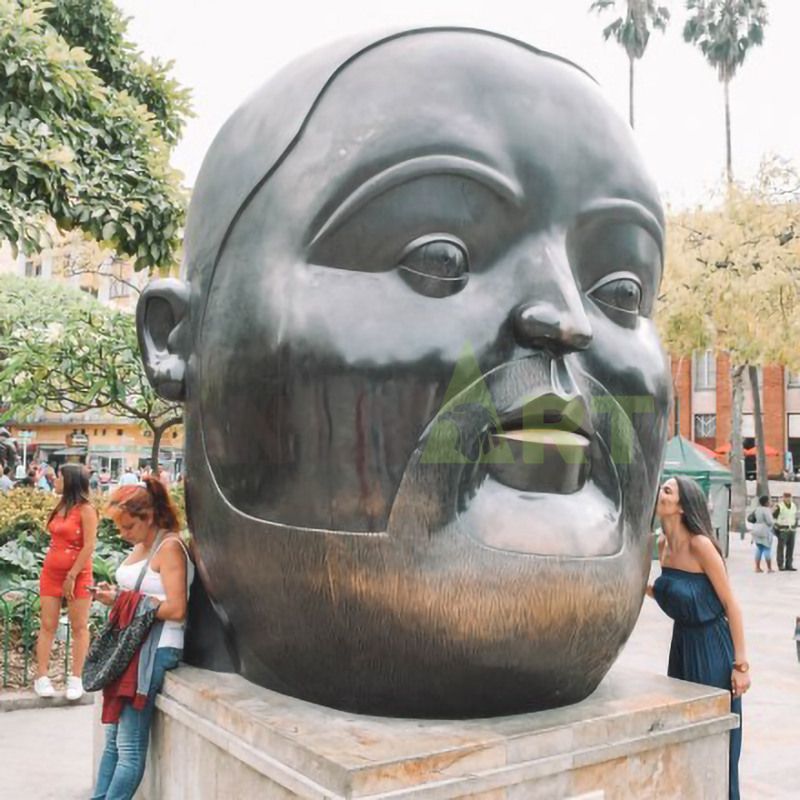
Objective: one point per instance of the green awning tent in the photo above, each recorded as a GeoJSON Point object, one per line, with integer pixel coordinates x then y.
{"type": "Point", "coordinates": [683, 458]}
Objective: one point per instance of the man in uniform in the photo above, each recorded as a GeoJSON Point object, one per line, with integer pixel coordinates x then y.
{"type": "Point", "coordinates": [785, 526]}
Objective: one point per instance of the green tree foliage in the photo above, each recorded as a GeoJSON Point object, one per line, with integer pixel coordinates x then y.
{"type": "Point", "coordinates": [725, 31]}
{"type": "Point", "coordinates": [632, 31]}
{"type": "Point", "coordinates": [86, 126]}
{"type": "Point", "coordinates": [732, 283]}
{"type": "Point", "coordinates": [65, 352]}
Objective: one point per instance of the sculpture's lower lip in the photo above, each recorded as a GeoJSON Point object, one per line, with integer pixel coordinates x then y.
{"type": "Point", "coordinates": [546, 460]}
{"type": "Point", "coordinates": [558, 494]}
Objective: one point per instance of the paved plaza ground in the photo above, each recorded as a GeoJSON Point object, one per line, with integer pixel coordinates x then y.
{"type": "Point", "coordinates": [46, 754]}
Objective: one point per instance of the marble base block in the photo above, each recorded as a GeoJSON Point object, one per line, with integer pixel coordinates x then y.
{"type": "Point", "coordinates": [638, 736]}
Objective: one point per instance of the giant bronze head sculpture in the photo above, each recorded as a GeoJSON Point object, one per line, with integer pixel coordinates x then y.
{"type": "Point", "coordinates": [425, 399]}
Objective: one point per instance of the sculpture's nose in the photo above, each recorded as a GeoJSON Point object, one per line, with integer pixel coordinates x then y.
{"type": "Point", "coordinates": [553, 319]}
{"type": "Point", "coordinates": [558, 329]}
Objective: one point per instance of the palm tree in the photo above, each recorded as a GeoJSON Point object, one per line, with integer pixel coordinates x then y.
{"type": "Point", "coordinates": [725, 30]}
{"type": "Point", "coordinates": [633, 31]}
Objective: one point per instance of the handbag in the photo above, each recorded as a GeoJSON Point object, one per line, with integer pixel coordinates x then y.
{"type": "Point", "coordinates": [112, 650]}
{"type": "Point", "coordinates": [751, 517]}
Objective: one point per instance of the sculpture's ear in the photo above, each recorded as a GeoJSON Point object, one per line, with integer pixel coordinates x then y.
{"type": "Point", "coordinates": [161, 324]}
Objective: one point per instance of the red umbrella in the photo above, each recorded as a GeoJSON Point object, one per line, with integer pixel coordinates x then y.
{"type": "Point", "coordinates": [768, 451]}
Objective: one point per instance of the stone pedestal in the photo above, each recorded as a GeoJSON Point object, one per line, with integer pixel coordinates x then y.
{"type": "Point", "coordinates": [638, 736]}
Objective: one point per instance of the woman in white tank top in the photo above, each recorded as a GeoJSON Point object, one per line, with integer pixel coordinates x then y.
{"type": "Point", "coordinates": [147, 519]}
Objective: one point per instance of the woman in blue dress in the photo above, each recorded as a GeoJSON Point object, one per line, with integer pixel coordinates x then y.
{"type": "Point", "coordinates": [693, 589]}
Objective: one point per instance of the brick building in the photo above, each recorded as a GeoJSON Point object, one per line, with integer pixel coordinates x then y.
{"type": "Point", "coordinates": [703, 395]}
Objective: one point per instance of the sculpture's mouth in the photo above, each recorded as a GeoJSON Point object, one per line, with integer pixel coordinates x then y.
{"type": "Point", "coordinates": [539, 476]}
{"type": "Point", "coordinates": [543, 446]}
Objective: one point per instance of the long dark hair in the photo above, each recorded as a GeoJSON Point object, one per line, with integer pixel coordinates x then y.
{"type": "Point", "coordinates": [75, 491]}
{"type": "Point", "coordinates": [138, 501]}
{"type": "Point", "coordinates": [695, 511]}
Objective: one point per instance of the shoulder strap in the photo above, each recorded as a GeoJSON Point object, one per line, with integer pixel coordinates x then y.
{"type": "Point", "coordinates": [153, 549]}
{"type": "Point", "coordinates": [188, 559]}
{"type": "Point", "coordinates": [180, 542]}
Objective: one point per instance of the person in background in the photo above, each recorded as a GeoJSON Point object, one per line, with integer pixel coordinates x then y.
{"type": "Point", "coordinates": [785, 515]}
{"type": "Point", "coordinates": [105, 480]}
{"type": "Point", "coordinates": [163, 476]}
{"type": "Point", "coordinates": [693, 589]}
{"type": "Point", "coordinates": [143, 514]}
{"type": "Point", "coordinates": [762, 533]}
{"type": "Point", "coordinates": [44, 482]}
{"type": "Point", "coordinates": [94, 481]}
{"type": "Point", "coordinates": [29, 481]}
{"type": "Point", "coordinates": [67, 574]}
{"type": "Point", "coordinates": [128, 477]}
{"type": "Point", "coordinates": [6, 484]}
{"type": "Point", "coordinates": [8, 449]}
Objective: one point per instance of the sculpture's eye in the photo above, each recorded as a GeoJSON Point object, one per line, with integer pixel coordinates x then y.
{"type": "Point", "coordinates": [435, 266]}
{"type": "Point", "coordinates": [620, 292]}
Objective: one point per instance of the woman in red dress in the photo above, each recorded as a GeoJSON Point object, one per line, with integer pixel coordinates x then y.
{"type": "Point", "coordinates": [66, 574]}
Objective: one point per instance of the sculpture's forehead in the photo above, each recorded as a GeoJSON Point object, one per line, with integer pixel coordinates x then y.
{"type": "Point", "coordinates": [535, 118]}
{"type": "Point", "coordinates": [489, 96]}
{"type": "Point", "coordinates": [334, 118]}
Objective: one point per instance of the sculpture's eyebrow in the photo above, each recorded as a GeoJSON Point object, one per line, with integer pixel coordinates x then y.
{"type": "Point", "coordinates": [504, 186]}
{"type": "Point", "coordinates": [621, 210]}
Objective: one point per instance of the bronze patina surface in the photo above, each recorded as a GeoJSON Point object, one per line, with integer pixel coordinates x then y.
{"type": "Point", "coordinates": [425, 399]}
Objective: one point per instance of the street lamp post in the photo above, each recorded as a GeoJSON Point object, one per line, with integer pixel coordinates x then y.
{"type": "Point", "coordinates": [25, 437]}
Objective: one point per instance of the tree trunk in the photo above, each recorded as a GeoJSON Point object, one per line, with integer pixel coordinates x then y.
{"type": "Point", "coordinates": [157, 435]}
{"type": "Point", "coordinates": [728, 156]}
{"type": "Point", "coordinates": [738, 487]}
{"type": "Point", "coordinates": [630, 90]}
{"type": "Point", "coordinates": [762, 482]}
{"type": "Point", "coordinates": [676, 399]}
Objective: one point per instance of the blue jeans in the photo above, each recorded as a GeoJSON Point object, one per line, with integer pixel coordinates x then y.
{"type": "Point", "coordinates": [122, 763]}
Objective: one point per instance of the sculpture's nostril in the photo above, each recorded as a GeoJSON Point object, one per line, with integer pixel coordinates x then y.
{"type": "Point", "coordinates": [543, 326]}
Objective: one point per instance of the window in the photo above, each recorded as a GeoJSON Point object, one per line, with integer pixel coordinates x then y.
{"type": "Point", "coordinates": [794, 379]}
{"type": "Point", "coordinates": [704, 367]}
{"type": "Point", "coordinates": [705, 426]}
{"type": "Point", "coordinates": [118, 287]}
{"type": "Point", "coordinates": [120, 431]}
{"type": "Point", "coordinates": [33, 270]}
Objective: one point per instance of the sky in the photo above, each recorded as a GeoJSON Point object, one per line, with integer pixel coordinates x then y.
{"type": "Point", "coordinates": [224, 50]}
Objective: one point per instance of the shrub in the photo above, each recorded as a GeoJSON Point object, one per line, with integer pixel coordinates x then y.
{"type": "Point", "coordinates": [24, 511]}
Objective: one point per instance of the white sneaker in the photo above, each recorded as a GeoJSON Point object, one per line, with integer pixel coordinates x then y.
{"type": "Point", "coordinates": [74, 688]}
{"type": "Point", "coordinates": [43, 687]}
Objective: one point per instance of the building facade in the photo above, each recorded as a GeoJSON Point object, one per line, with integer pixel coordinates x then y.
{"type": "Point", "coordinates": [703, 399]}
